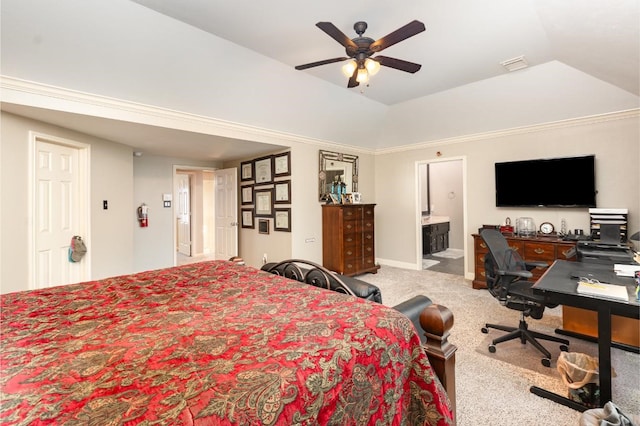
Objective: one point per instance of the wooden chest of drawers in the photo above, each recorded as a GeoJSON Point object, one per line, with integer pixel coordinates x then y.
{"type": "Point", "coordinates": [348, 243]}
{"type": "Point", "coordinates": [546, 249]}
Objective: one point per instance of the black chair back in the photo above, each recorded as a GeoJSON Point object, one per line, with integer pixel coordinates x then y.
{"type": "Point", "coordinates": [501, 257]}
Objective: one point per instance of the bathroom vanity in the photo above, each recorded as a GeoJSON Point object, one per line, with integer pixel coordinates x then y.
{"type": "Point", "coordinates": [435, 234]}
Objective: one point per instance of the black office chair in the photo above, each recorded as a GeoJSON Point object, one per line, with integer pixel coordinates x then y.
{"type": "Point", "coordinates": [507, 274]}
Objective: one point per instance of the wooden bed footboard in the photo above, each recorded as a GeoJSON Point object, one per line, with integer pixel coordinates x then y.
{"type": "Point", "coordinates": [436, 322]}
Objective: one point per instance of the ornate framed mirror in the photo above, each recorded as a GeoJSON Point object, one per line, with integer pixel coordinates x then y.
{"type": "Point", "coordinates": [337, 168]}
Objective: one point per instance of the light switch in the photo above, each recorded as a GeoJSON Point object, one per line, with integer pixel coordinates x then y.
{"type": "Point", "coordinates": [105, 204]}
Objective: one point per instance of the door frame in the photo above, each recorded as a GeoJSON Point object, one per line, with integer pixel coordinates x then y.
{"type": "Point", "coordinates": [190, 179]}
{"type": "Point", "coordinates": [185, 169]}
{"type": "Point", "coordinates": [419, 208]}
{"type": "Point", "coordinates": [84, 202]}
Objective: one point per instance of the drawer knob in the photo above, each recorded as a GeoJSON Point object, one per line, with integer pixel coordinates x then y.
{"type": "Point", "coordinates": [539, 251]}
{"type": "Point", "coordinates": [483, 245]}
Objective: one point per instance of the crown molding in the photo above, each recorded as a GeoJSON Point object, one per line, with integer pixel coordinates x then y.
{"type": "Point", "coordinates": [30, 93]}
{"type": "Point", "coordinates": [572, 122]}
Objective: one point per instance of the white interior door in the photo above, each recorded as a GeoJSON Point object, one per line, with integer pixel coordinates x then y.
{"type": "Point", "coordinates": [184, 214]}
{"type": "Point", "coordinates": [58, 206]}
{"type": "Point", "coordinates": [226, 208]}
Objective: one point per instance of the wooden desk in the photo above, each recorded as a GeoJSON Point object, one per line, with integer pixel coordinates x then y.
{"type": "Point", "coordinates": [576, 322]}
{"type": "Point", "coordinates": [541, 248]}
{"type": "Point", "coordinates": [583, 323]}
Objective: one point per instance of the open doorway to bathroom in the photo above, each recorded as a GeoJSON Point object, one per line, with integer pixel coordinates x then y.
{"type": "Point", "coordinates": [442, 215]}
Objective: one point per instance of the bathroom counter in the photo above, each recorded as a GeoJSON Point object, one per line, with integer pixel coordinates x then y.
{"type": "Point", "coordinates": [432, 220]}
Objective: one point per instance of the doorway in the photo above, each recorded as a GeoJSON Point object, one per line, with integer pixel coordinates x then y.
{"type": "Point", "coordinates": [194, 203]}
{"type": "Point", "coordinates": [442, 215]}
{"type": "Point", "coordinates": [59, 209]}
{"type": "Point", "coordinates": [200, 230]}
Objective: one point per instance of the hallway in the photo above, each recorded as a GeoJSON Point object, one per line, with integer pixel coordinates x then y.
{"type": "Point", "coordinates": [182, 259]}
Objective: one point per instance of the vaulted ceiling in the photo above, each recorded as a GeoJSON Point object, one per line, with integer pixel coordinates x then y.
{"type": "Point", "coordinates": [234, 61]}
{"type": "Point", "coordinates": [465, 40]}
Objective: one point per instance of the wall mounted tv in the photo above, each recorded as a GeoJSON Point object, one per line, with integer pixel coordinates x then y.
{"type": "Point", "coordinates": [554, 182]}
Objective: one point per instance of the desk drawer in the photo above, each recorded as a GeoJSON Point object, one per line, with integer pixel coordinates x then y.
{"type": "Point", "coordinates": [518, 246]}
{"type": "Point", "coordinates": [562, 252]}
{"type": "Point", "coordinates": [480, 246]}
{"type": "Point", "coordinates": [539, 251]}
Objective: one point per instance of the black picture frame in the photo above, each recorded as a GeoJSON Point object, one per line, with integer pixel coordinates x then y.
{"type": "Point", "coordinates": [246, 171]}
{"type": "Point", "coordinates": [263, 226]}
{"type": "Point", "coordinates": [282, 220]}
{"type": "Point", "coordinates": [263, 199]}
{"type": "Point", "coordinates": [246, 194]}
{"type": "Point", "coordinates": [263, 170]}
{"type": "Point", "coordinates": [247, 219]}
{"type": "Point", "coordinates": [282, 192]}
{"type": "Point", "coordinates": [282, 164]}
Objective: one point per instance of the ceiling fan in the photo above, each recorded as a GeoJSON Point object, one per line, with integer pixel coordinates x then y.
{"type": "Point", "coordinates": [361, 49]}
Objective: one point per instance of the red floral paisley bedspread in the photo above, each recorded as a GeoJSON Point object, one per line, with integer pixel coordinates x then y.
{"type": "Point", "coordinates": [207, 344]}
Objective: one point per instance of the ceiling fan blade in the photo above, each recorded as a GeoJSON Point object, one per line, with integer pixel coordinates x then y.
{"type": "Point", "coordinates": [398, 64]}
{"type": "Point", "coordinates": [336, 34]}
{"type": "Point", "coordinates": [409, 30]}
{"type": "Point", "coordinates": [324, 62]}
{"type": "Point", "coordinates": [352, 80]}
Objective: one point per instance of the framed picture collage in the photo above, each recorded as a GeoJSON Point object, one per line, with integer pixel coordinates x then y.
{"type": "Point", "coordinates": [265, 193]}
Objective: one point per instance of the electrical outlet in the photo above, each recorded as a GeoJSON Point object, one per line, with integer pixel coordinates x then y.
{"type": "Point", "coordinates": [264, 259]}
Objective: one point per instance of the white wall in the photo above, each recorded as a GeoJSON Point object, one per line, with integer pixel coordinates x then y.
{"type": "Point", "coordinates": [614, 139]}
{"type": "Point", "coordinates": [111, 168]}
{"type": "Point", "coordinates": [125, 51]}
{"type": "Point", "coordinates": [154, 246]}
{"type": "Point", "coordinates": [305, 239]}
{"type": "Point", "coordinates": [118, 244]}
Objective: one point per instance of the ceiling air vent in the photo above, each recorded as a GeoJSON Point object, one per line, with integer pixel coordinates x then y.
{"type": "Point", "coordinates": [515, 64]}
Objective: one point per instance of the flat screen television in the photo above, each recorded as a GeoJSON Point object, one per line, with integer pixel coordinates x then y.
{"type": "Point", "coordinates": [554, 182]}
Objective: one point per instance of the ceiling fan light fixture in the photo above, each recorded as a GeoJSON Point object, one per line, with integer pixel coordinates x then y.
{"type": "Point", "coordinates": [363, 76]}
{"type": "Point", "coordinates": [349, 68]}
{"type": "Point", "coordinates": [372, 66]}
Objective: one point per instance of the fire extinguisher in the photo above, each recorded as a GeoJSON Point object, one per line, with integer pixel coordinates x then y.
{"type": "Point", "coordinates": [143, 215]}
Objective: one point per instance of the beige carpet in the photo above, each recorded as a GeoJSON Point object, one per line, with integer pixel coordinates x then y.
{"type": "Point", "coordinates": [493, 389]}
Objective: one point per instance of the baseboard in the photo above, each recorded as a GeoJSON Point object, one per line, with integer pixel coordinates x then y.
{"type": "Point", "coordinates": [397, 264]}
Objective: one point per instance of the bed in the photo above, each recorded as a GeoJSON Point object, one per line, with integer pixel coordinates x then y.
{"type": "Point", "coordinates": [206, 344]}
